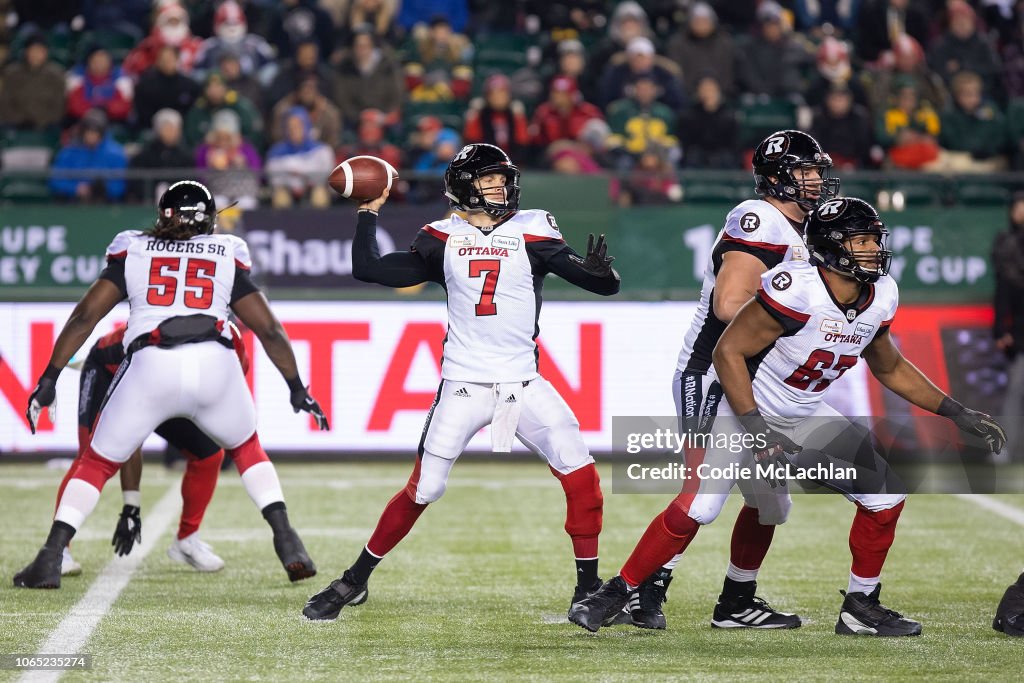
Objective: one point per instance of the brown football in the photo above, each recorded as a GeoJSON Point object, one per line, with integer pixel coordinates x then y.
{"type": "Point", "coordinates": [362, 178]}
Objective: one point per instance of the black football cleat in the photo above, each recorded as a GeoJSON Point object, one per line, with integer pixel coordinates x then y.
{"type": "Point", "coordinates": [863, 614]}
{"type": "Point", "coordinates": [327, 604]}
{"type": "Point", "coordinates": [601, 607]}
{"type": "Point", "coordinates": [746, 610]}
{"type": "Point", "coordinates": [42, 572]}
{"type": "Point", "coordinates": [293, 555]}
{"type": "Point", "coordinates": [645, 604]}
{"type": "Point", "coordinates": [580, 592]}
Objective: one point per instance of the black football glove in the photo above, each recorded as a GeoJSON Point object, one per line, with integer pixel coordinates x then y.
{"type": "Point", "coordinates": [42, 396]}
{"type": "Point", "coordinates": [301, 400]}
{"type": "Point", "coordinates": [773, 453]}
{"type": "Point", "coordinates": [974, 422]}
{"type": "Point", "coordinates": [128, 531]}
{"type": "Point", "coordinates": [597, 261]}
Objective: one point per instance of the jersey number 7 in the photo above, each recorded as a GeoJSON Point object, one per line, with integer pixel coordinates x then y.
{"type": "Point", "coordinates": [489, 268]}
{"type": "Point", "coordinates": [163, 282]}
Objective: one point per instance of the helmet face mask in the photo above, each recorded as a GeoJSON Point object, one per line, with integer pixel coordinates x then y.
{"type": "Point", "coordinates": [472, 163]}
{"type": "Point", "coordinates": [189, 204]}
{"type": "Point", "coordinates": [781, 164]}
{"type": "Point", "coordinates": [832, 227]}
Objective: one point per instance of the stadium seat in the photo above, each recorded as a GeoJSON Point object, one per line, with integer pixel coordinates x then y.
{"type": "Point", "coordinates": [713, 193]}
{"type": "Point", "coordinates": [117, 42]}
{"type": "Point", "coordinates": [978, 193]}
{"type": "Point", "coordinates": [504, 52]}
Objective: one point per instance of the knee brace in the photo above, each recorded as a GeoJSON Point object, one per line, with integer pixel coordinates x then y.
{"type": "Point", "coordinates": [432, 471]}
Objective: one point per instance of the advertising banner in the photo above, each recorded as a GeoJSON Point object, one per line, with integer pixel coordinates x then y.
{"type": "Point", "coordinates": [374, 367]}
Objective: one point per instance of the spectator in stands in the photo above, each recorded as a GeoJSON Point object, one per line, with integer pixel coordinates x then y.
{"type": "Point", "coordinates": [231, 162]}
{"type": "Point", "coordinates": [497, 119]}
{"type": "Point", "coordinates": [440, 56]}
{"type": "Point", "coordinates": [298, 164]}
{"type": "Point", "coordinates": [629, 21]}
{"type": "Point", "coordinates": [563, 115]}
{"type": "Point", "coordinates": [974, 126]}
{"type": "Point", "coordinates": [834, 68]}
{"type": "Point", "coordinates": [880, 22]}
{"type": "Point", "coordinates": [217, 97]}
{"type": "Point", "coordinates": [436, 145]}
{"type": "Point", "coordinates": [170, 27]}
{"type": "Point", "coordinates": [305, 63]}
{"type": "Point", "coordinates": [652, 181]}
{"type": "Point", "coordinates": [908, 128]}
{"type": "Point", "coordinates": [1011, 54]}
{"type": "Point", "coordinates": [700, 48]}
{"type": "Point", "coordinates": [323, 117]}
{"type": "Point", "coordinates": [640, 122]}
{"type": "Point", "coordinates": [368, 78]}
{"type": "Point", "coordinates": [771, 61]}
{"type": "Point", "coordinates": [739, 16]}
{"type": "Point", "coordinates": [91, 149]}
{"type": "Point", "coordinates": [163, 86]}
{"type": "Point", "coordinates": [165, 149]}
{"type": "Point", "coordinates": [247, 86]}
{"type": "Point", "coordinates": [905, 60]}
{"type": "Point", "coordinates": [640, 58]}
{"type": "Point", "coordinates": [708, 129]}
{"type": "Point", "coordinates": [844, 128]}
{"type": "Point", "coordinates": [964, 48]}
{"type": "Point", "coordinates": [125, 16]}
{"type": "Point", "coordinates": [298, 21]}
{"type": "Point", "coordinates": [818, 18]}
{"type": "Point", "coordinates": [231, 36]}
{"type": "Point", "coordinates": [572, 63]}
{"type": "Point", "coordinates": [415, 12]}
{"type": "Point", "coordinates": [1008, 331]}
{"type": "Point", "coordinates": [33, 89]}
{"type": "Point", "coordinates": [370, 140]}
{"type": "Point", "coordinates": [99, 84]}
{"type": "Point", "coordinates": [381, 15]}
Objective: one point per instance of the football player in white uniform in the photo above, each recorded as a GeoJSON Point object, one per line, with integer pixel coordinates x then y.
{"type": "Point", "coordinates": [808, 324]}
{"type": "Point", "coordinates": [492, 263]}
{"type": "Point", "coordinates": [792, 174]}
{"type": "Point", "coordinates": [180, 281]}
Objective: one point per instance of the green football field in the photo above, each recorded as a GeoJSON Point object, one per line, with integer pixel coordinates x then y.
{"type": "Point", "coordinates": [480, 588]}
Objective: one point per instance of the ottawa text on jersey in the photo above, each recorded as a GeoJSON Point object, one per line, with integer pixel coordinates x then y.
{"type": "Point", "coordinates": [737, 472]}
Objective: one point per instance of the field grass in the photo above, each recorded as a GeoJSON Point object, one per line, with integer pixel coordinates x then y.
{"type": "Point", "coordinates": [480, 588]}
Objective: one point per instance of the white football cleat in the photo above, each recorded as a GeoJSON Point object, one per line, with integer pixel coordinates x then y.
{"type": "Point", "coordinates": [68, 566]}
{"type": "Point", "coordinates": [192, 551]}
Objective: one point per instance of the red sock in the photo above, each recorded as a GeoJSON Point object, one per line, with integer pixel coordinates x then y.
{"type": "Point", "coordinates": [197, 489]}
{"type": "Point", "coordinates": [750, 539]}
{"type": "Point", "coordinates": [584, 505]}
{"type": "Point", "coordinates": [667, 535]}
{"type": "Point", "coordinates": [398, 518]}
{"type": "Point", "coordinates": [871, 536]}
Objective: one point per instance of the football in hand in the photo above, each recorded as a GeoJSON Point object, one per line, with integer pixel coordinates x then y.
{"type": "Point", "coordinates": [362, 178]}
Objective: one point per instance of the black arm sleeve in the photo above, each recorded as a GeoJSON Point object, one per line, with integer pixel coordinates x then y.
{"type": "Point", "coordinates": [555, 256]}
{"type": "Point", "coordinates": [768, 257]}
{"type": "Point", "coordinates": [398, 269]}
{"type": "Point", "coordinates": [243, 285]}
{"type": "Point", "coordinates": [791, 324]}
{"type": "Point", "coordinates": [114, 271]}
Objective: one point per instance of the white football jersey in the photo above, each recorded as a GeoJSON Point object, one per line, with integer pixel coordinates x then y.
{"type": "Point", "coordinates": [168, 278]}
{"type": "Point", "coordinates": [494, 293]}
{"type": "Point", "coordinates": [823, 338]}
{"type": "Point", "coordinates": [753, 226]}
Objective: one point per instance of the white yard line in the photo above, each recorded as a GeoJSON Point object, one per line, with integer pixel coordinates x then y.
{"type": "Point", "coordinates": [74, 631]}
{"type": "Point", "coordinates": [1010, 512]}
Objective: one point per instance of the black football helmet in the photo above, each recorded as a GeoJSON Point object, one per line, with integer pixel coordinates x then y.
{"type": "Point", "coordinates": [191, 204]}
{"type": "Point", "coordinates": [832, 223]}
{"type": "Point", "coordinates": [475, 161]}
{"type": "Point", "coordinates": [779, 155]}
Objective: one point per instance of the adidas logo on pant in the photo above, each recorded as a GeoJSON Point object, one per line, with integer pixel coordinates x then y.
{"type": "Point", "coordinates": [461, 393]}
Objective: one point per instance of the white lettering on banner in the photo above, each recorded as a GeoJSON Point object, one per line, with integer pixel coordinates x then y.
{"type": "Point", "coordinates": [274, 252]}
{"type": "Point", "coordinates": [374, 367]}
{"type": "Point", "coordinates": [29, 239]}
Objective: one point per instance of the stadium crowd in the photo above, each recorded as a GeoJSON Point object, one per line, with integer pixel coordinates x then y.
{"type": "Point", "coordinates": [265, 96]}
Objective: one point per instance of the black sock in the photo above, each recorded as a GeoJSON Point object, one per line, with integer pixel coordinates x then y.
{"type": "Point", "coordinates": [662, 573]}
{"type": "Point", "coordinates": [276, 515]}
{"type": "Point", "coordinates": [734, 590]}
{"type": "Point", "coordinates": [61, 534]}
{"type": "Point", "coordinates": [586, 573]}
{"type": "Point", "coordinates": [359, 572]}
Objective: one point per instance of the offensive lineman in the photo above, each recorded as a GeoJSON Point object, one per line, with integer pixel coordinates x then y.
{"type": "Point", "coordinates": [492, 264]}
{"type": "Point", "coordinates": [808, 324]}
{"type": "Point", "coordinates": [180, 280]}
{"type": "Point", "coordinates": [792, 174]}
